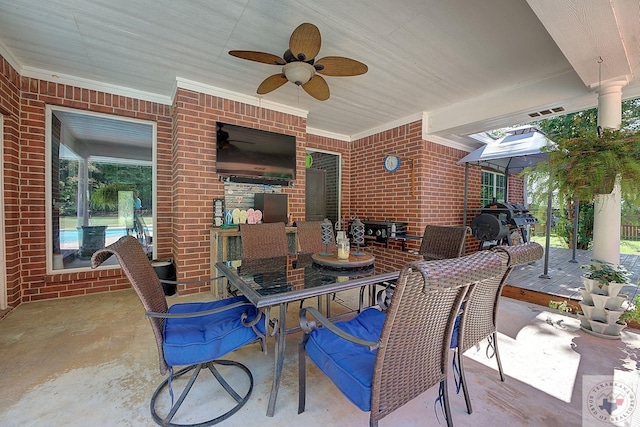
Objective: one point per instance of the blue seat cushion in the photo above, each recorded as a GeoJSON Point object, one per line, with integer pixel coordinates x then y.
{"type": "Point", "coordinates": [348, 365]}
{"type": "Point", "coordinates": [454, 336]}
{"type": "Point", "coordinates": [193, 340]}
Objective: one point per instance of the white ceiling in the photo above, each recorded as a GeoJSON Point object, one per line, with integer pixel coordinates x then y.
{"type": "Point", "coordinates": [466, 65]}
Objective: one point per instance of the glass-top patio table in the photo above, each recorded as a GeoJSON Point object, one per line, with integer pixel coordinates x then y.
{"type": "Point", "coordinates": [272, 282]}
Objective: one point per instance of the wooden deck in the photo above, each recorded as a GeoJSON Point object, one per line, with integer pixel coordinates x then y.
{"type": "Point", "coordinates": [563, 281]}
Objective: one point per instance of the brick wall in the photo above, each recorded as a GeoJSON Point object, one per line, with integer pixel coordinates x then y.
{"type": "Point", "coordinates": [428, 188]}
{"type": "Point", "coordinates": [23, 101]}
{"type": "Point", "coordinates": [10, 109]}
{"type": "Point", "coordinates": [195, 182]}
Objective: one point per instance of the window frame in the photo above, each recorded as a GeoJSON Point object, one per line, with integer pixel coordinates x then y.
{"type": "Point", "coordinates": [49, 110]}
{"type": "Point", "coordinates": [494, 187]}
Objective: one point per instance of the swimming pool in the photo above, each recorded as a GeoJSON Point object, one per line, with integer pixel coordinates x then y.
{"type": "Point", "coordinates": [70, 237]}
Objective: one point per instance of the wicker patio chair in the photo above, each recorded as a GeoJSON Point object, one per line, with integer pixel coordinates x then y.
{"type": "Point", "coordinates": [194, 335]}
{"type": "Point", "coordinates": [265, 240]}
{"type": "Point", "coordinates": [438, 242]}
{"type": "Point", "coordinates": [310, 241]}
{"type": "Point", "coordinates": [380, 361]}
{"type": "Point", "coordinates": [442, 242]}
{"type": "Point", "coordinates": [478, 319]}
{"type": "Point", "coordinates": [310, 237]}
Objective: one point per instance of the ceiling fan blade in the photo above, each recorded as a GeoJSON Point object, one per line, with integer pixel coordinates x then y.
{"type": "Point", "coordinates": [305, 42]}
{"type": "Point", "coordinates": [339, 66]}
{"type": "Point", "coordinates": [317, 87]}
{"type": "Point", "coordinates": [265, 58]}
{"type": "Point", "coordinates": [271, 83]}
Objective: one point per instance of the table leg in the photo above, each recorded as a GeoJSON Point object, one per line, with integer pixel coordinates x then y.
{"type": "Point", "coordinates": [281, 335]}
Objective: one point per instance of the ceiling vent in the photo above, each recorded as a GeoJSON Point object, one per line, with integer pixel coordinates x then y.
{"type": "Point", "coordinates": [546, 112]}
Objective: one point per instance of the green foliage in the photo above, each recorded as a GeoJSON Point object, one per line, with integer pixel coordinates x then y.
{"type": "Point", "coordinates": [106, 195]}
{"type": "Point", "coordinates": [561, 306]}
{"type": "Point", "coordinates": [585, 164]}
{"type": "Point", "coordinates": [605, 272]}
{"type": "Point", "coordinates": [633, 313]}
{"type": "Point", "coordinates": [585, 226]}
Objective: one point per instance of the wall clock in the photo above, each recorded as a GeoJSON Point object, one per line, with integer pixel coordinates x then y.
{"type": "Point", "coordinates": [391, 163]}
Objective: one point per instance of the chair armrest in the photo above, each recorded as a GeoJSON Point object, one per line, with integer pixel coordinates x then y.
{"type": "Point", "coordinates": [310, 325]}
{"type": "Point", "coordinates": [198, 313]}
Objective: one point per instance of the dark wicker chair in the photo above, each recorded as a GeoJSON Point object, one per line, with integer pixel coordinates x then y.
{"type": "Point", "coordinates": [310, 241]}
{"type": "Point", "coordinates": [194, 335]}
{"type": "Point", "coordinates": [478, 319]}
{"type": "Point", "coordinates": [265, 240]}
{"type": "Point", "coordinates": [310, 237]}
{"type": "Point", "coordinates": [443, 242]}
{"type": "Point", "coordinates": [438, 242]}
{"type": "Point", "coordinates": [381, 361]}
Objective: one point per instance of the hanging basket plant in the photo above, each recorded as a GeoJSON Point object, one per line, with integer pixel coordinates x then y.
{"type": "Point", "coordinates": [106, 195]}
{"type": "Point", "coordinates": [587, 165]}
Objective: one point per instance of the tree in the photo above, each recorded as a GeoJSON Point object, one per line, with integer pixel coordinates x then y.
{"type": "Point", "coordinates": [579, 147]}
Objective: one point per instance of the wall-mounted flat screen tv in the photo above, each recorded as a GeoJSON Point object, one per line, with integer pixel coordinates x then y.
{"type": "Point", "coordinates": [243, 152]}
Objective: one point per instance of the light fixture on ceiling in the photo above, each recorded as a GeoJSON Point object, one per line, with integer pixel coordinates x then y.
{"type": "Point", "coordinates": [298, 72]}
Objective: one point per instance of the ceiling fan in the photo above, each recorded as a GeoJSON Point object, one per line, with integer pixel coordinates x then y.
{"type": "Point", "coordinates": [299, 65]}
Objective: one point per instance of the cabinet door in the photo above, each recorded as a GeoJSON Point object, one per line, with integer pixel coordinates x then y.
{"type": "Point", "coordinates": [315, 195]}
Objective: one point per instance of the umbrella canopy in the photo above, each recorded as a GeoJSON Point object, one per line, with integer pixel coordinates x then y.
{"type": "Point", "coordinates": [513, 153]}
{"type": "Point", "coordinates": [521, 148]}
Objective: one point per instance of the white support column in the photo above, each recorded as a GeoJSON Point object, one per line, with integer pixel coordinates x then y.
{"type": "Point", "coordinates": [608, 207]}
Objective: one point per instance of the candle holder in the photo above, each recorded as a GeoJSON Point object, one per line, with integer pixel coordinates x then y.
{"type": "Point", "coordinates": [357, 231]}
{"type": "Point", "coordinates": [327, 236]}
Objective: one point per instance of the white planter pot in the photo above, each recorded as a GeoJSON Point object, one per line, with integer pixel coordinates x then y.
{"type": "Point", "coordinates": [594, 287]}
{"type": "Point", "coordinates": [598, 326]}
{"type": "Point", "coordinates": [586, 296]}
{"type": "Point", "coordinates": [600, 301]}
{"type": "Point", "coordinates": [593, 313]}
{"type": "Point", "coordinates": [614, 288]}
{"type": "Point", "coordinates": [615, 328]}
{"type": "Point", "coordinates": [584, 322]}
{"type": "Point", "coordinates": [612, 316]}
{"type": "Point", "coordinates": [616, 303]}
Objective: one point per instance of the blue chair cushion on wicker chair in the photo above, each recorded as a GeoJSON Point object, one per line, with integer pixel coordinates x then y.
{"type": "Point", "coordinates": [454, 336]}
{"type": "Point", "coordinates": [348, 364]}
{"type": "Point", "coordinates": [204, 338]}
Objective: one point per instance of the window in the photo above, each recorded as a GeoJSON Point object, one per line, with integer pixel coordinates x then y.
{"type": "Point", "coordinates": [493, 186]}
{"type": "Point", "coordinates": [101, 185]}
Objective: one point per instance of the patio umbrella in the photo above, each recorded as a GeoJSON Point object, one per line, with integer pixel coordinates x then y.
{"type": "Point", "coordinates": [521, 148]}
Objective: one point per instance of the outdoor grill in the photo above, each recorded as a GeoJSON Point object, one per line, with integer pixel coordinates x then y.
{"type": "Point", "coordinates": [497, 221]}
{"type": "Point", "coordinates": [380, 231]}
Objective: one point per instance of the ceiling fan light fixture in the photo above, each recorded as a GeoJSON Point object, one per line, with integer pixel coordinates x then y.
{"type": "Point", "coordinates": [298, 73]}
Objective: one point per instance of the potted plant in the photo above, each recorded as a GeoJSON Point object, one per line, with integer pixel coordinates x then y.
{"type": "Point", "coordinates": [601, 305]}
{"type": "Point", "coordinates": [604, 278]}
{"type": "Point", "coordinates": [632, 313]}
{"type": "Point", "coordinates": [586, 164]}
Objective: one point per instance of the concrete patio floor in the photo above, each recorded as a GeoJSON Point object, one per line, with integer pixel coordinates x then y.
{"type": "Point", "coordinates": [92, 361]}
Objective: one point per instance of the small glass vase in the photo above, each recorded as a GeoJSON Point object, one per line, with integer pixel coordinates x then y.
{"type": "Point", "coordinates": [343, 248]}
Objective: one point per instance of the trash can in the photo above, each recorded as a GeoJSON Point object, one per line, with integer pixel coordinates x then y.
{"type": "Point", "coordinates": [165, 270]}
